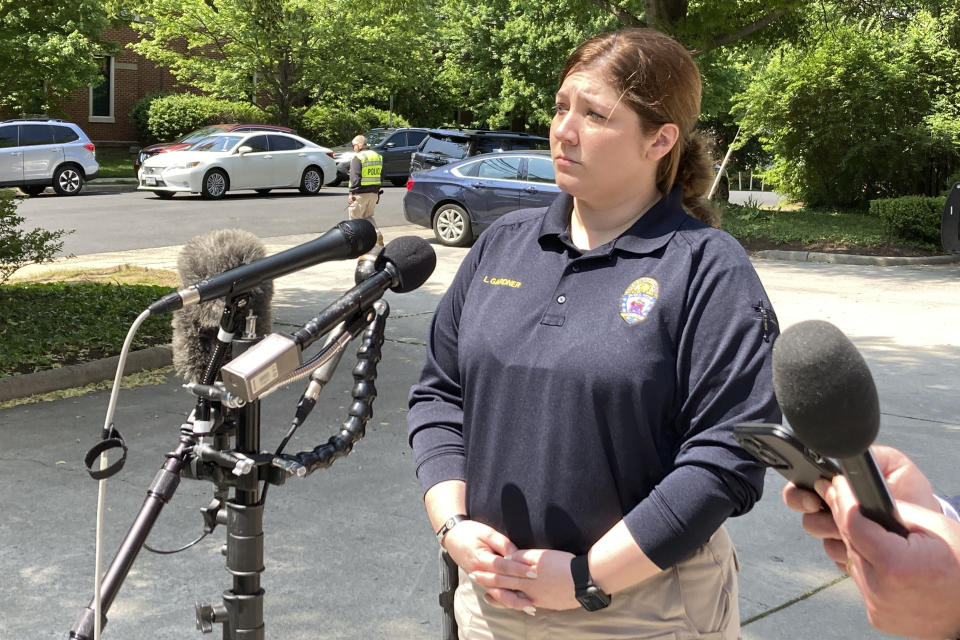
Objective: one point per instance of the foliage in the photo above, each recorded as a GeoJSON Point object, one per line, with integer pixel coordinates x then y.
{"type": "Point", "coordinates": [333, 126]}
{"type": "Point", "coordinates": [140, 114]}
{"type": "Point", "coordinates": [860, 113]}
{"type": "Point", "coordinates": [35, 334]}
{"type": "Point", "coordinates": [48, 51]}
{"type": "Point", "coordinates": [503, 57]}
{"type": "Point", "coordinates": [171, 117]}
{"type": "Point", "coordinates": [292, 53]}
{"type": "Point", "coordinates": [19, 248]}
{"type": "Point", "coordinates": [805, 226]}
{"type": "Point", "coordinates": [910, 218]}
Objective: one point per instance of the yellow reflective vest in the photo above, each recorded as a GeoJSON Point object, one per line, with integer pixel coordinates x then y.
{"type": "Point", "coordinates": [371, 164]}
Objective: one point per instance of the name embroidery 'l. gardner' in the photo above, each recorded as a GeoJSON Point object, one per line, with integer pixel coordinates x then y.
{"type": "Point", "coordinates": [638, 300]}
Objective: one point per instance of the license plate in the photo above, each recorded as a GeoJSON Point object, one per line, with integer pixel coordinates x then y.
{"type": "Point", "coordinates": [150, 181]}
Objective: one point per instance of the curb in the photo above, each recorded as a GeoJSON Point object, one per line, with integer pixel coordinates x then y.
{"type": "Point", "coordinates": [842, 258]}
{"type": "Point", "coordinates": [78, 375]}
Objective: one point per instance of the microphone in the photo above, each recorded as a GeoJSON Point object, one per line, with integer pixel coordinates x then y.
{"type": "Point", "coordinates": [349, 239]}
{"type": "Point", "coordinates": [195, 327]}
{"type": "Point", "coordinates": [403, 265]}
{"type": "Point", "coordinates": [828, 396]}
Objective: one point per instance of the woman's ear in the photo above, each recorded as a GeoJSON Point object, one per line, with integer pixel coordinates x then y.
{"type": "Point", "coordinates": [662, 141]}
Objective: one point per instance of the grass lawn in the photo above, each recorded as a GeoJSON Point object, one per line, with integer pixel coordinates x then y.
{"type": "Point", "coordinates": [832, 231]}
{"type": "Point", "coordinates": [115, 163]}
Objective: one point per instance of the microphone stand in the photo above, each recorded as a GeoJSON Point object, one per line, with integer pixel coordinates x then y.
{"type": "Point", "coordinates": [203, 453]}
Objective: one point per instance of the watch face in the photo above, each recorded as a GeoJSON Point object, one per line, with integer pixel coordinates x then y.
{"type": "Point", "coordinates": [593, 599]}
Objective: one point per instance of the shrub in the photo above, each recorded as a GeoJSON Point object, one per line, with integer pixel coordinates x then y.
{"type": "Point", "coordinates": [332, 126]}
{"type": "Point", "coordinates": [19, 248]}
{"type": "Point", "coordinates": [910, 218]}
{"type": "Point", "coordinates": [172, 116]}
{"type": "Point", "coordinates": [140, 114]}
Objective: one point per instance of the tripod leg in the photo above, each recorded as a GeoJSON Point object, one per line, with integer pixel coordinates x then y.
{"type": "Point", "coordinates": [159, 493]}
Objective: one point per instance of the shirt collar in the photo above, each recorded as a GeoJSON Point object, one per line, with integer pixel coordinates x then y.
{"type": "Point", "coordinates": [652, 231]}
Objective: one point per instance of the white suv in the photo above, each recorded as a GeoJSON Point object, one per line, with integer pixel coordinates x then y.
{"type": "Point", "coordinates": [38, 153]}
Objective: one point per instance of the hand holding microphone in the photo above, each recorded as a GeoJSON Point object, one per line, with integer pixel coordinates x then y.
{"type": "Point", "coordinates": [827, 394]}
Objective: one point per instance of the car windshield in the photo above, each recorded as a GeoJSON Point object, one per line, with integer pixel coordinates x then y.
{"type": "Point", "coordinates": [217, 143]}
{"type": "Point", "coordinates": [447, 145]}
{"type": "Point", "coordinates": [376, 137]}
{"type": "Point", "coordinates": [197, 135]}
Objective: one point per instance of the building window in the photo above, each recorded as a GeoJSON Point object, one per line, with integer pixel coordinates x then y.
{"type": "Point", "coordinates": [101, 95]}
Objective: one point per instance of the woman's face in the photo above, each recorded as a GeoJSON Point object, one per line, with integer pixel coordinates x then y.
{"type": "Point", "coordinates": [600, 153]}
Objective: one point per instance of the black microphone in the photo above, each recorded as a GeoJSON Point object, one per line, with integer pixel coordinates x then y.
{"type": "Point", "coordinates": [403, 265]}
{"type": "Point", "coordinates": [349, 239]}
{"type": "Point", "coordinates": [828, 396]}
{"type": "Point", "coordinates": [195, 327]}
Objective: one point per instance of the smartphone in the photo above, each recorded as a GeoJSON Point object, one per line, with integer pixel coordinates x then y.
{"type": "Point", "coordinates": [776, 446]}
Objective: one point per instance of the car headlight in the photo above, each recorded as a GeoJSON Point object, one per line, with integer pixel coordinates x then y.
{"type": "Point", "coordinates": [185, 165]}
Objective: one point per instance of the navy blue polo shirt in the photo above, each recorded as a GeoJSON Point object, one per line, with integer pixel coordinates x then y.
{"type": "Point", "coordinates": [573, 389]}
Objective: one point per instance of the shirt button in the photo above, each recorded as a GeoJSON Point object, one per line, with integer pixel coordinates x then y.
{"type": "Point", "coordinates": [576, 268]}
{"type": "Point", "coordinates": [561, 299]}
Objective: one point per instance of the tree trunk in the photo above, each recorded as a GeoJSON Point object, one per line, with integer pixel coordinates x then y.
{"type": "Point", "coordinates": [663, 15]}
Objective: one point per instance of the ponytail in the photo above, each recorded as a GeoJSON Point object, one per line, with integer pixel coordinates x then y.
{"type": "Point", "coordinates": [694, 173]}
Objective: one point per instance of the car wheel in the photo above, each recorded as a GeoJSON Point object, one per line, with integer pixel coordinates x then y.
{"type": "Point", "coordinates": [451, 225]}
{"type": "Point", "coordinates": [311, 181]}
{"type": "Point", "coordinates": [398, 182]}
{"type": "Point", "coordinates": [215, 184]}
{"type": "Point", "coordinates": [33, 189]}
{"type": "Point", "coordinates": [67, 180]}
{"type": "Point", "coordinates": [164, 195]}
{"type": "Point", "coordinates": [263, 192]}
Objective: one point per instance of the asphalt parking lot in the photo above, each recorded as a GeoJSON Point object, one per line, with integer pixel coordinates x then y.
{"type": "Point", "coordinates": [349, 553]}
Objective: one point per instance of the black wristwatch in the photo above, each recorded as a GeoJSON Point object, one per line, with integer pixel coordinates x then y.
{"type": "Point", "coordinates": [590, 596]}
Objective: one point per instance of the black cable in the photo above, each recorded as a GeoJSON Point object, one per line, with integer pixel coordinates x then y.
{"type": "Point", "coordinates": [183, 548]}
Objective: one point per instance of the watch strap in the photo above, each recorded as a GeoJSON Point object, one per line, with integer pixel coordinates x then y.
{"type": "Point", "coordinates": [588, 594]}
{"type": "Point", "coordinates": [450, 524]}
{"type": "Point", "coordinates": [580, 570]}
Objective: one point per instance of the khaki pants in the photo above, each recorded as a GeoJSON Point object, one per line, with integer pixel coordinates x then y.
{"type": "Point", "coordinates": [697, 598]}
{"type": "Point", "coordinates": [362, 206]}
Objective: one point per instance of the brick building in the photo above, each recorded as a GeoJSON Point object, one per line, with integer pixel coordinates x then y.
{"type": "Point", "coordinates": [103, 112]}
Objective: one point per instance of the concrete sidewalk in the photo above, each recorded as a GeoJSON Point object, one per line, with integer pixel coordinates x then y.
{"type": "Point", "coordinates": [349, 552]}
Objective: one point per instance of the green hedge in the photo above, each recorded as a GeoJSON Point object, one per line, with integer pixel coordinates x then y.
{"type": "Point", "coordinates": [910, 218]}
{"type": "Point", "coordinates": [162, 117]}
{"type": "Point", "coordinates": [333, 126]}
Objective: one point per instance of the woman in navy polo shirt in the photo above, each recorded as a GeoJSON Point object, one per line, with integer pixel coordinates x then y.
{"type": "Point", "coordinates": [573, 422]}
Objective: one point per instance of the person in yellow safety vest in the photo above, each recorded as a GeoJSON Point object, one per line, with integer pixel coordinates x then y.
{"type": "Point", "coordinates": [365, 168]}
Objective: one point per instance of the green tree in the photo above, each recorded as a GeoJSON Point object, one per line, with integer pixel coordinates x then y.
{"type": "Point", "coordinates": [860, 113]}
{"type": "Point", "coordinates": [48, 50]}
{"type": "Point", "coordinates": [291, 54]}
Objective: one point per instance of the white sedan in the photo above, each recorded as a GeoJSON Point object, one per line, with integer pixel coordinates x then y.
{"type": "Point", "coordinates": [224, 162]}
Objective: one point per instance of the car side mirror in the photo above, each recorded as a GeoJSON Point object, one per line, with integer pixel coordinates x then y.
{"type": "Point", "coordinates": [389, 145]}
{"type": "Point", "coordinates": [244, 150]}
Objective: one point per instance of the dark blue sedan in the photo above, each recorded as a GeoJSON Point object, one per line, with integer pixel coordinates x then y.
{"type": "Point", "coordinates": [461, 199]}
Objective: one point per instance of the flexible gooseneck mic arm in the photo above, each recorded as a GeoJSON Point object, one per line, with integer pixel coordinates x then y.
{"type": "Point", "coordinates": [361, 409]}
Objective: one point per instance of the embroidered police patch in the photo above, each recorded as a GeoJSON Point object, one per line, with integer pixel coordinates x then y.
{"type": "Point", "coordinates": [638, 299]}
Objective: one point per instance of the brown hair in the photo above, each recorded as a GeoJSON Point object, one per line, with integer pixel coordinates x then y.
{"type": "Point", "coordinates": [658, 79]}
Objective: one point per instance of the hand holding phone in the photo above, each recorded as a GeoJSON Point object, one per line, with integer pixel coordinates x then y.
{"type": "Point", "coordinates": [776, 446]}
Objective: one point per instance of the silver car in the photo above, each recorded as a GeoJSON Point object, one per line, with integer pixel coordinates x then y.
{"type": "Point", "coordinates": [40, 153]}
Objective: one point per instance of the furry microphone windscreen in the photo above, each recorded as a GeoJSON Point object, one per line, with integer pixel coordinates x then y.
{"type": "Point", "coordinates": [195, 327]}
